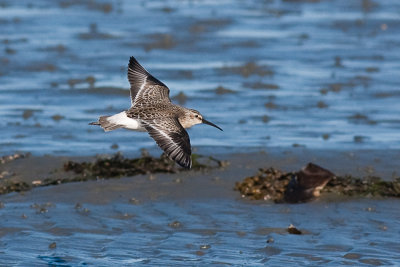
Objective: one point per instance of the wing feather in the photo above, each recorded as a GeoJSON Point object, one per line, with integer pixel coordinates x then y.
{"type": "Point", "coordinates": [171, 137]}
{"type": "Point", "coordinates": [145, 88]}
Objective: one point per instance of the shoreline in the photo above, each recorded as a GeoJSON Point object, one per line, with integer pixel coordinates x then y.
{"type": "Point", "coordinates": [208, 183]}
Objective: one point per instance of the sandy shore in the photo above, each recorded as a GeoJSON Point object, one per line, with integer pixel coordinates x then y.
{"type": "Point", "coordinates": [196, 184]}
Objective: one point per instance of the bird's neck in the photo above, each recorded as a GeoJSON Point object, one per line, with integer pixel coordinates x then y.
{"type": "Point", "coordinates": [185, 122]}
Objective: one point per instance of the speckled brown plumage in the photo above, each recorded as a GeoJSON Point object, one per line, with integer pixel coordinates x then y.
{"type": "Point", "coordinates": [153, 112]}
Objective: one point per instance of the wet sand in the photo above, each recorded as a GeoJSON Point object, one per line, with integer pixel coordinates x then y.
{"type": "Point", "coordinates": [196, 218]}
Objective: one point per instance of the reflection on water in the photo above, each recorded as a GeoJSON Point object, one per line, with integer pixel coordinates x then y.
{"type": "Point", "coordinates": [323, 74]}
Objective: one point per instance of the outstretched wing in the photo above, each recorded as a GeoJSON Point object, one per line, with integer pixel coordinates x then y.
{"type": "Point", "coordinates": [145, 89]}
{"type": "Point", "coordinates": [172, 138]}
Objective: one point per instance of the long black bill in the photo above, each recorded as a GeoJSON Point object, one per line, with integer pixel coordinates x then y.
{"type": "Point", "coordinates": [212, 124]}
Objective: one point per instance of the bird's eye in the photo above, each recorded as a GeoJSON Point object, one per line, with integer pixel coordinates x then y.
{"type": "Point", "coordinates": [196, 116]}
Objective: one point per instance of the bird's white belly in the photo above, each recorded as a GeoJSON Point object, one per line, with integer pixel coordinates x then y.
{"type": "Point", "coordinates": [126, 122]}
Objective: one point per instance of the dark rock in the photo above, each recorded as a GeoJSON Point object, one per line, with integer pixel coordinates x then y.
{"type": "Point", "coordinates": [293, 230]}
{"type": "Point", "coordinates": [307, 183]}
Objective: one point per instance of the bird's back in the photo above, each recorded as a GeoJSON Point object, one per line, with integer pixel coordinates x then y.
{"type": "Point", "coordinates": [156, 111]}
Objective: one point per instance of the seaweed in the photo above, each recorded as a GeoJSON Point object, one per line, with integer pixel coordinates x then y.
{"type": "Point", "coordinates": [119, 166]}
{"type": "Point", "coordinates": [267, 184]}
{"type": "Point", "coordinates": [276, 185]}
{"type": "Point", "coordinates": [14, 186]}
{"type": "Point", "coordinates": [369, 186]}
{"type": "Point", "coordinates": [108, 167]}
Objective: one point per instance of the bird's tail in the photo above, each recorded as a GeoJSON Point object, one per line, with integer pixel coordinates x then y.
{"type": "Point", "coordinates": [106, 124]}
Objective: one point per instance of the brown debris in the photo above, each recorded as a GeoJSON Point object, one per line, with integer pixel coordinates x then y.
{"type": "Point", "coordinates": [270, 105]}
{"type": "Point", "coordinates": [90, 80]}
{"type": "Point", "coordinates": [28, 113]}
{"type": "Point", "coordinates": [308, 183]}
{"type": "Point", "coordinates": [175, 224]}
{"type": "Point", "coordinates": [90, 5]}
{"type": "Point", "coordinates": [114, 166]}
{"type": "Point", "coordinates": [260, 85]}
{"type": "Point", "coordinates": [42, 67]}
{"type": "Point", "coordinates": [369, 186]}
{"type": "Point", "coordinates": [94, 34]}
{"type": "Point", "coordinates": [220, 90]}
{"type": "Point", "coordinates": [57, 117]}
{"type": "Point", "coordinates": [322, 104]}
{"type": "Point", "coordinates": [12, 157]}
{"type": "Point", "coordinates": [248, 69]}
{"type": "Point", "coordinates": [207, 25]}
{"type": "Point", "coordinates": [293, 230]}
{"type": "Point", "coordinates": [60, 48]}
{"type": "Point", "coordinates": [267, 184]}
{"type": "Point", "coordinates": [11, 186]}
{"type": "Point", "coordinates": [181, 98]}
{"type": "Point", "coordinates": [160, 41]}
{"type": "Point", "coordinates": [359, 118]}
{"type": "Point", "coordinates": [118, 166]}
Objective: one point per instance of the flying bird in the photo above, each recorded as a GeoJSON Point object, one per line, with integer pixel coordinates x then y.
{"type": "Point", "coordinates": [152, 111]}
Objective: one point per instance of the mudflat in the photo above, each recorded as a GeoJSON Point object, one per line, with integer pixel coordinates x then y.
{"type": "Point", "coordinates": [196, 217]}
{"type": "Point", "coordinates": [219, 180]}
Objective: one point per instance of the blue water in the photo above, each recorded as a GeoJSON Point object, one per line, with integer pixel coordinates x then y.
{"type": "Point", "coordinates": [201, 233]}
{"type": "Point", "coordinates": [334, 66]}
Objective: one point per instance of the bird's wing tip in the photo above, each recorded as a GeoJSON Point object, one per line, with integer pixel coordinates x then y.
{"type": "Point", "coordinates": [132, 60]}
{"type": "Point", "coordinates": [186, 165]}
{"type": "Point", "coordinates": [135, 65]}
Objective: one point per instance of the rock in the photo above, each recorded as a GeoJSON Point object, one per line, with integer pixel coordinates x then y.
{"type": "Point", "coordinates": [307, 183]}
{"type": "Point", "coordinates": [293, 230]}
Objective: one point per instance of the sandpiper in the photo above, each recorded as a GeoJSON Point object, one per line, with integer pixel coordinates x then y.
{"type": "Point", "coordinates": [152, 111]}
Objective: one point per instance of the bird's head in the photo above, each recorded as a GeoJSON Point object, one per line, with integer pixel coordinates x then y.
{"type": "Point", "coordinates": [193, 117]}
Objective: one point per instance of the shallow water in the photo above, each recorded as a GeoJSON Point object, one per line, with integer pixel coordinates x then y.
{"type": "Point", "coordinates": [198, 233]}
{"type": "Point", "coordinates": [322, 74]}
